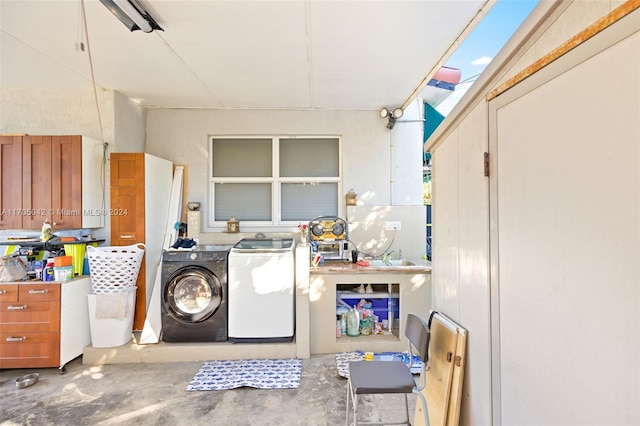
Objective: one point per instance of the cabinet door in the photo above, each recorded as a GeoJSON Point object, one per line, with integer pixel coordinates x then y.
{"type": "Point", "coordinates": [127, 222]}
{"type": "Point", "coordinates": [66, 181]}
{"type": "Point", "coordinates": [36, 180]}
{"type": "Point", "coordinates": [8, 292]}
{"type": "Point", "coordinates": [30, 317]}
{"type": "Point", "coordinates": [127, 169]}
{"type": "Point", "coordinates": [10, 182]}
{"type": "Point", "coordinates": [127, 227]}
{"type": "Point", "coordinates": [29, 350]}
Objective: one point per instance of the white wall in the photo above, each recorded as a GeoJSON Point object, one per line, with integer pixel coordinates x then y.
{"type": "Point", "coordinates": [406, 157]}
{"type": "Point", "coordinates": [460, 247]}
{"type": "Point", "coordinates": [181, 136]}
{"type": "Point", "coordinates": [56, 112]}
{"type": "Point", "coordinates": [383, 166]}
{"type": "Point", "coordinates": [367, 230]}
{"type": "Point", "coordinates": [129, 125]}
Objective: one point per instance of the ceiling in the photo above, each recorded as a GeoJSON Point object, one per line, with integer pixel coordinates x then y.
{"type": "Point", "coordinates": [295, 54]}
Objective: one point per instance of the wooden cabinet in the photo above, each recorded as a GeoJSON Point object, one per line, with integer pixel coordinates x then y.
{"type": "Point", "coordinates": [10, 181]}
{"type": "Point", "coordinates": [66, 182]}
{"type": "Point", "coordinates": [129, 227]}
{"type": "Point", "coordinates": [36, 180]}
{"type": "Point", "coordinates": [55, 177]}
{"type": "Point", "coordinates": [140, 191]}
{"type": "Point", "coordinates": [127, 197]}
{"type": "Point", "coordinates": [127, 170]}
{"type": "Point", "coordinates": [43, 324]}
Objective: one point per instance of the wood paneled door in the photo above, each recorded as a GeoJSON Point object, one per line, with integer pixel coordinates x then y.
{"type": "Point", "coordinates": [128, 216]}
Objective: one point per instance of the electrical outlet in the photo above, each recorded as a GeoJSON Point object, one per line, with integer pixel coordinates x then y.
{"type": "Point", "coordinates": [392, 226]}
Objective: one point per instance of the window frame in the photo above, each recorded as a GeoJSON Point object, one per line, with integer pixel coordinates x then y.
{"type": "Point", "coordinates": [275, 180]}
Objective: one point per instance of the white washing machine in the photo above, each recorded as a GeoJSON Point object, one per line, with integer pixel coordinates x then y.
{"type": "Point", "coordinates": [261, 290]}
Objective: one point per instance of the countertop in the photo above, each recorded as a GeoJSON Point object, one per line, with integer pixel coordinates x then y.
{"type": "Point", "coordinates": [40, 282]}
{"type": "Point", "coordinates": [38, 243]}
{"type": "Point", "coordinates": [420, 266]}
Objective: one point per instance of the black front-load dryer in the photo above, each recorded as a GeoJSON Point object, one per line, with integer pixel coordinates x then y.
{"type": "Point", "coordinates": [194, 296]}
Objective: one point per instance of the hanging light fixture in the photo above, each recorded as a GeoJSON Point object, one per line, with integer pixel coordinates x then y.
{"type": "Point", "coordinates": [391, 115]}
{"type": "Point", "coordinates": [132, 15]}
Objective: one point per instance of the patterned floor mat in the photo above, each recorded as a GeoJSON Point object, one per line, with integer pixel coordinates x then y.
{"type": "Point", "coordinates": [255, 373]}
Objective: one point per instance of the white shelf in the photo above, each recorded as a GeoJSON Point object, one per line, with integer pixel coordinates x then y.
{"type": "Point", "coordinates": [386, 337]}
{"type": "Point", "coordinates": [374, 295]}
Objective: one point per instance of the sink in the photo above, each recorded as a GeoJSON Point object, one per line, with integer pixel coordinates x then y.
{"type": "Point", "coordinates": [391, 263]}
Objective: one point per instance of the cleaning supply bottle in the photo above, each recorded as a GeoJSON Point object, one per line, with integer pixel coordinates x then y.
{"type": "Point", "coordinates": [47, 232]}
{"type": "Point", "coordinates": [47, 272]}
{"type": "Point", "coordinates": [353, 323]}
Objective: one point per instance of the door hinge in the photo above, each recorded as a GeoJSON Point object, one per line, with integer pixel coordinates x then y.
{"type": "Point", "coordinates": [486, 164]}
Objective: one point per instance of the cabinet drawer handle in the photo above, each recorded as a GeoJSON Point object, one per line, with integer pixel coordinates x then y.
{"type": "Point", "coordinates": [16, 308]}
{"type": "Point", "coordinates": [45, 291]}
{"type": "Point", "coordinates": [16, 339]}
{"type": "Point", "coordinates": [125, 237]}
{"type": "Point", "coordinates": [3, 291]}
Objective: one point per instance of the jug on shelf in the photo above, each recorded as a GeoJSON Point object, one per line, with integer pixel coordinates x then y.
{"type": "Point", "coordinates": [353, 323]}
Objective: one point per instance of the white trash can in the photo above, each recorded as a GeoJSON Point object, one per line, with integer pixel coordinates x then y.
{"type": "Point", "coordinates": [114, 271]}
{"type": "Point", "coordinates": [111, 318]}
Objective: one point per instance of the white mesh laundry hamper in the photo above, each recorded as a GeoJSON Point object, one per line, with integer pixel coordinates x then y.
{"type": "Point", "coordinates": [113, 268]}
{"type": "Point", "coordinates": [113, 272]}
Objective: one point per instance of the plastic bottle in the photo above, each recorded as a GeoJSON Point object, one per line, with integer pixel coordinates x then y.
{"type": "Point", "coordinates": [47, 272]}
{"type": "Point", "coordinates": [46, 231]}
{"type": "Point", "coordinates": [353, 323]}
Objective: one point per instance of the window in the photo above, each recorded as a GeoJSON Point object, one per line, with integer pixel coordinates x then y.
{"type": "Point", "coordinates": [274, 181]}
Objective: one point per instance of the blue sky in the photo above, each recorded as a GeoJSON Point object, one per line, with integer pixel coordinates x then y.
{"type": "Point", "coordinates": [484, 42]}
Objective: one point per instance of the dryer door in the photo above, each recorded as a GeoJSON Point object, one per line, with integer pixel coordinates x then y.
{"type": "Point", "coordinates": [192, 294]}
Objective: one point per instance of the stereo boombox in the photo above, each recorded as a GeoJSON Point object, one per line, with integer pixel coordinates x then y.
{"type": "Point", "coordinates": [331, 236]}
{"type": "Point", "coordinates": [328, 228]}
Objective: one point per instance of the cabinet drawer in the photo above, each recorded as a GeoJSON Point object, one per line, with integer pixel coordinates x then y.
{"type": "Point", "coordinates": [39, 292]}
{"type": "Point", "coordinates": [29, 316]}
{"type": "Point", "coordinates": [29, 350]}
{"type": "Point", "coordinates": [9, 292]}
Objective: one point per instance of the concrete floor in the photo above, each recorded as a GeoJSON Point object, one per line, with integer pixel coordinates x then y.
{"type": "Point", "coordinates": [154, 394]}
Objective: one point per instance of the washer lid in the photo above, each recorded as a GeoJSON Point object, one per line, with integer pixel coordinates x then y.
{"type": "Point", "coordinates": [253, 245]}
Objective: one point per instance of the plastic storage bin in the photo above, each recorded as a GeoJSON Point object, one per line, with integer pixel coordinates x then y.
{"type": "Point", "coordinates": [62, 273]}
